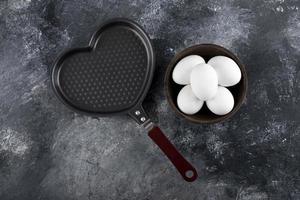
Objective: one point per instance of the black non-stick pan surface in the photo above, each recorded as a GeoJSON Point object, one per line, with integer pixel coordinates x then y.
{"type": "Point", "coordinates": [112, 76]}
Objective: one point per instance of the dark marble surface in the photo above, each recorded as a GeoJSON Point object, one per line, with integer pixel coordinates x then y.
{"type": "Point", "coordinates": [49, 152]}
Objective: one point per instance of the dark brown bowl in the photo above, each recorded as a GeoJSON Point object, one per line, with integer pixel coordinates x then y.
{"type": "Point", "coordinates": [206, 51]}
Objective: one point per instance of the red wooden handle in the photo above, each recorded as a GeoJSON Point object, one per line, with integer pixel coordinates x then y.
{"type": "Point", "coordinates": [187, 171]}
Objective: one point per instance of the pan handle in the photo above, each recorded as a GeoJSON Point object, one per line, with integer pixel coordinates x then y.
{"type": "Point", "coordinates": [187, 171]}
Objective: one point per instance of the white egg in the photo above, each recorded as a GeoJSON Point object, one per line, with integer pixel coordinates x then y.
{"type": "Point", "coordinates": [204, 81]}
{"type": "Point", "coordinates": [182, 71]}
{"type": "Point", "coordinates": [228, 71]}
{"type": "Point", "coordinates": [222, 103]}
{"type": "Point", "coordinates": [187, 101]}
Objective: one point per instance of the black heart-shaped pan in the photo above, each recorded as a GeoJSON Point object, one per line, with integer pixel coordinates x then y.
{"type": "Point", "coordinates": [112, 76]}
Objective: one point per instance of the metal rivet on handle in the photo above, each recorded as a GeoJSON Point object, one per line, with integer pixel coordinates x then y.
{"type": "Point", "coordinates": [143, 119]}
{"type": "Point", "coordinates": [137, 112]}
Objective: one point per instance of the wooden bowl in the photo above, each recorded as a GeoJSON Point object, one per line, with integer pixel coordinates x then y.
{"type": "Point", "coordinates": [206, 51]}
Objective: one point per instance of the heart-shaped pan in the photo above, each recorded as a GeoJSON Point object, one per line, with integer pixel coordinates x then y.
{"type": "Point", "coordinates": [112, 76]}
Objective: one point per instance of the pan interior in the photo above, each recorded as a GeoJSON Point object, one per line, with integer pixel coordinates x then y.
{"type": "Point", "coordinates": [109, 77]}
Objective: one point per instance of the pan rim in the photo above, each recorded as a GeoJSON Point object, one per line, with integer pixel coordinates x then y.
{"type": "Point", "coordinates": [140, 32]}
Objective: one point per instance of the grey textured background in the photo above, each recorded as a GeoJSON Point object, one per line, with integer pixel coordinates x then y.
{"type": "Point", "coordinates": [49, 152]}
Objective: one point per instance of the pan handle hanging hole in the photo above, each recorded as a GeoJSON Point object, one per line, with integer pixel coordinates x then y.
{"type": "Point", "coordinates": [189, 173]}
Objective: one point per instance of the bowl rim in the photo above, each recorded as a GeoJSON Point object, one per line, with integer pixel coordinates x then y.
{"type": "Point", "coordinates": [171, 66]}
